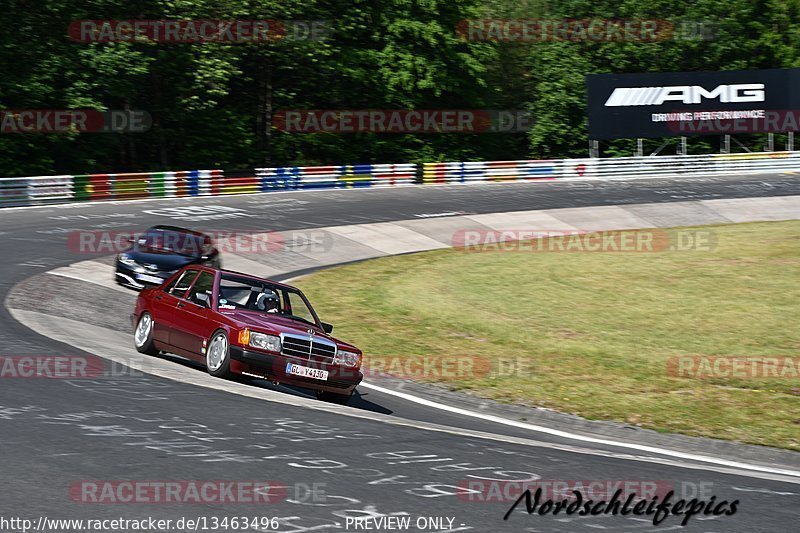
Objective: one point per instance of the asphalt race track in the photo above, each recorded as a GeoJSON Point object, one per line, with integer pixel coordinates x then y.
{"type": "Point", "coordinates": [385, 456]}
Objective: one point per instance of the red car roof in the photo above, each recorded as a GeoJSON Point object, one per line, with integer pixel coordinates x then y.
{"type": "Point", "coordinates": [250, 276]}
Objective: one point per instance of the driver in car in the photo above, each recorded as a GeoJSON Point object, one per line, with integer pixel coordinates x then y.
{"type": "Point", "coordinates": [268, 301]}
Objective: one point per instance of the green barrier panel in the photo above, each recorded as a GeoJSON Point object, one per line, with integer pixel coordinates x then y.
{"type": "Point", "coordinates": [157, 188]}
{"type": "Point", "coordinates": [80, 189]}
{"type": "Point", "coordinates": [129, 186]}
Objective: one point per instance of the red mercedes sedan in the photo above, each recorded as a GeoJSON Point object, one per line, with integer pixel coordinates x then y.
{"type": "Point", "coordinates": [241, 324]}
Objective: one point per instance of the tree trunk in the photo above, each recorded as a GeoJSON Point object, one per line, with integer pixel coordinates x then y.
{"type": "Point", "coordinates": [161, 139]}
{"type": "Point", "coordinates": [264, 112]}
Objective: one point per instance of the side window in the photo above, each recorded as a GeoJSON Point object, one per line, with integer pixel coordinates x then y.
{"type": "Point", "coordinates": [203, 285]}
{"type": "Point", "coordinates": [181, 285]}
{"type": "Point", "coordinates": [294, 304]}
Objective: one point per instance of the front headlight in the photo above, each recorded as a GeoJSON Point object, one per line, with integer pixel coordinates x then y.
{"type": "Point", "coordinates": [125, 259]}
{"type": "Point", "coordinates": [349, 359]}
{"type": "Point", "coordinates": [263, 341]}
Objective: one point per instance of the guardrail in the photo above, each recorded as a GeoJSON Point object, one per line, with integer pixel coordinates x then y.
{"type": "Point", "coordinates": [92, 187]}
{"type": "Point", "coordinates": [346, 176]}
{"type": "Point", "coordinates": [43, 190]}
{"type": "Point", "coordinates": [620, 167]}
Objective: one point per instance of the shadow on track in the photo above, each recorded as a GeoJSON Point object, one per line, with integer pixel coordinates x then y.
{"type": "Point", "coordinates": [358, 401]}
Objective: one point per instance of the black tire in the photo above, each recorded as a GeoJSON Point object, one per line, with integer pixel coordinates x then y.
{"type": "Point", "coordinates": [224, 368]}
{"type": "Point", "coordinates": [332, 397]}
{"type": "Point", "coordinates": [143, 340]}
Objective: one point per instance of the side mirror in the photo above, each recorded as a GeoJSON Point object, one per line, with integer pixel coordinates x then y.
{"type": "Point", "coordinates": [203, 299]}
{"type": "Point", "coordinates": [327, 328]}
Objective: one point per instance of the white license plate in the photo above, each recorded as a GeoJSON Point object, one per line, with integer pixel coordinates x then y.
{"type": "Point", "coordinates": [306, 372]}
{"type": "Point", "coordinates": [149, 279]}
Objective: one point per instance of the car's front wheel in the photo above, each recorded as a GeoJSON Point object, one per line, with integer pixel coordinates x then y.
{"type": "Point", "coordinates": [143, 335]}
{"type": "Point", "coordinates": [332, 397]}
{"type": "Point", "coordinates": [218, 356]}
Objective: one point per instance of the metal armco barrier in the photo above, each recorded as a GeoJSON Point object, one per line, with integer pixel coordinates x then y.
{"type": "Point", "coordinates": [490, 171]}
{"type": "Point", "coordinates": [45, 190]}
{"type": "Point", "coordinates": [620, 167]}
{"type": "Point", "coordinates": [340, 177]}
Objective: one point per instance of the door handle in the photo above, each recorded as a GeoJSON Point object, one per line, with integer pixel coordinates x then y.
{"type": "Point", "coordinates": [159, 297]}
{"type": "Point", "coordinates": [181, 304]}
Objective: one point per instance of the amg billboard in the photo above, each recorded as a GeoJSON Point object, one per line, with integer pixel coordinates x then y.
{"type": "Point", "coordinates": [669, 104]}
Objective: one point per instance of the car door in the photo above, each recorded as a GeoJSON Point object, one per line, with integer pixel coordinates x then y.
{"type": "Point", "coordinates": [164, 303]}
{"type": "Point", "coordinates": [193, 315]}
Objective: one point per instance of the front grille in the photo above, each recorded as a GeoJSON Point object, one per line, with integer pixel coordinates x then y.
{"type": "Point", "coordinates": [308, 348]}
{"type": "Point", "coordinates": [296, 347]}
{"type": "Point", "coordinates": [323, 352]}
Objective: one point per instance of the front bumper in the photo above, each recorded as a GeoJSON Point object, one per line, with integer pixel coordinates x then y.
{"type": "Point", "coordinates": [341, 380]}
{"type": "Point", "coordinates": [127, 276]}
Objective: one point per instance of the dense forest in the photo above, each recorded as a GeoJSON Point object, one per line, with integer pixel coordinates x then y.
{"type": "Point", "coordinates": [213, 104]}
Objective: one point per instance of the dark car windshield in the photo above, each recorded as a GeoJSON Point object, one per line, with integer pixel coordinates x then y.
{"type": "Point", "coordinates": [238, 293]}
{"type": "Point", "coordinates": [163, 240]}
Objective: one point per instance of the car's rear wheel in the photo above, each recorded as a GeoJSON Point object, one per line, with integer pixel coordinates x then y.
{"type": "Point", "coordinates": [332, 397]}
{"type": "Point", "coordinates": [218, 356]}
{"type": "Point", "coordinates": [143, 335]}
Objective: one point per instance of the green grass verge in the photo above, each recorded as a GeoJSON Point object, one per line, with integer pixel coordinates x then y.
{"type": "Point", "coordinates": [597, 329]}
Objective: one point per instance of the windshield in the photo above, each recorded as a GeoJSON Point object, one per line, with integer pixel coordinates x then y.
{"type": "Point", "coordinates": [160, 240]}
{"type": "Point", "coordinates": [244, 294]}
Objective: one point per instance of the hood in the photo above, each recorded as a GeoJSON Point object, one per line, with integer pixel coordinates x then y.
{"type": "Point", "coordinates": [163, 260]}
{"type": "Point", "coordinates": [279, 324]}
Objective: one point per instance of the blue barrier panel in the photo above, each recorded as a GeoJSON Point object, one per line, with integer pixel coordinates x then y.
{"type": "Point", "coordinates": [361, 169]}
{"type": "Point", "coordinates": [291, 177]}
{"type": "Point", "coordinates": [539, 171]}
{"type": "Point", "coordinates": [193, 183]}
